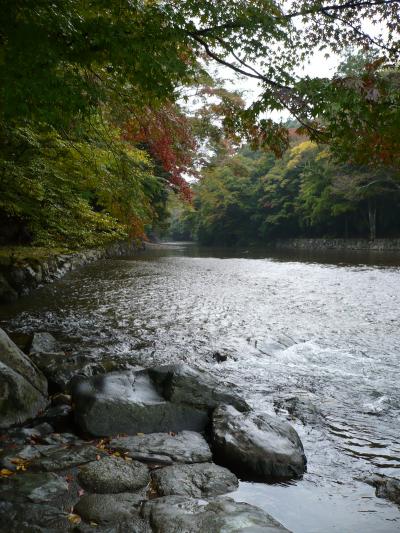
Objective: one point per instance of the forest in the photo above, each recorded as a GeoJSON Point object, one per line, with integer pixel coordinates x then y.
{"type": "Point", "coordinates": [251, 197]}
{"type": "Point", "coordinates": [114, 124]}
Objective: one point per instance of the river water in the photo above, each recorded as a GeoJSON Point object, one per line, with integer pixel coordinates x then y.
{"type": "Point", "coordinates": [312, 337]}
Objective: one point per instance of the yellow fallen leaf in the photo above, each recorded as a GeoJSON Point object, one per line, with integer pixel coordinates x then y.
{"type": "Point", "coordinates": [140, 434]}
{"type": "Point", "coordinates": [74, 518]}
{"type": "Point", "coordinates": [94, 524]}
{"type": "Point", "coordinates": [4, 472]}
{"type": "Point", "coordinates": [22, 464]}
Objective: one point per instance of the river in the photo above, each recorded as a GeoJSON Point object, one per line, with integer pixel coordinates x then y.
{"type": "Point", "coordinates": [320, 328]}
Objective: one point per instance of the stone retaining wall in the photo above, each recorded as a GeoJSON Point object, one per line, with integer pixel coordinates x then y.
{"type": "Point", "coordinates": [339, 244]}
{"type": "Point", "coordinates": [19, 280]}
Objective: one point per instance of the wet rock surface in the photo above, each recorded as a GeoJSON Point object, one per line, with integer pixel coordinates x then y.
{"type": "Point", "coordinates": [199, 480]}
{"type": "Point", "coordinates": [32, 518]}
{"type": "Point", "coordinates": [386, 487]}
{"type": "Point", "coordinates": [43, 342]}
{"type": "Point", "coordinates": [256, 446]}
{"type": "Point", "coordinates": [129, 403]}
{"type": "Point", "coordinates": [112, 475]}
{"type": "Point", "coordinates": [301, 407]}
{"type": "Point", "coordinates": [23, 388]}
{"type": "Point", "coordinates": [54, 458]}
{"type": "Point", "coordinates": [111, 508]}
{"type": "Point", "coordinates": [35, 487]}
{"type": "Point", "coordinates": [175, 514]}
{"type": "Point", "coordinates": [182, 384]}
{"type": "Point", "coordinates": [165, 448]}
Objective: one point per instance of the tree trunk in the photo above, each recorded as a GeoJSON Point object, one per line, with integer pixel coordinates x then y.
{"type": "Point", "coordinates": [372, 219]}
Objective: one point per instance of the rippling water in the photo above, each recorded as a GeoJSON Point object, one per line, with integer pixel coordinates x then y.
{"type": "Point", "coordinates": [314, 338]}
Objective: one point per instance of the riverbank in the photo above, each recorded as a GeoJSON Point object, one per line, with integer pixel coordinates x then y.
{"type": "Point", "coordinates": [132, 447]}
{"type": "Point", "coordinates": [378, 245]}
{"type": "Point", "coordinates": [24, 269]}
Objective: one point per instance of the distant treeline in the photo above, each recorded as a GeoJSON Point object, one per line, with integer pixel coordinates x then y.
{"type": "Point", "coordinates": [253, 197]}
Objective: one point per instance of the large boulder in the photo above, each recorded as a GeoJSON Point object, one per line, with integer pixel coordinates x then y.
{"type": "Point", "coordinates": [256, 447]}
{"type": "Point", "coordinates": [23, 387]}
{"type": "Point", "coordinates": [177, 514]}
{"type": "Point", "coordinates": [129, 403]}
{"type": "Point", "coordinates": [200, 480]}
{"type": "Point", "coordinates": [180, 383]}
{"type": "Point", "coordinates": [164, 448]}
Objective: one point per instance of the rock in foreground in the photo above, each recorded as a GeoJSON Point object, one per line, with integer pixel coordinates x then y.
{"type": "Point", "coordinates": [112, 508]}
{"type": "Point", "coordinates": [112, 475]}
{"type": "Point", "coordinates": [129, 403]}
{"type": "Point", "coordinates": [23, 388]}
{"type": "Point", "coordinates": [199, 480]}
{"type": "Point", "coordinates": [256, 447]}
{"type": "Point", "coordinates": [164, 448]}
{"type": "Point", "coordinates": [177, 514]}
{"type": "Point", "coordinates": [180, 383]}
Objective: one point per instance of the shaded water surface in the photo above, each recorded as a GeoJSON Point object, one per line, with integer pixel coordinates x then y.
{"type": "Point", "coordinates": [312, 337]}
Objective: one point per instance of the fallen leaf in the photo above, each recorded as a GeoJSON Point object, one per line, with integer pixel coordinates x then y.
{"type": "Point", "coordinates": [22, 464]}
{"type": "Point", "coordinates": [74, 518]}
{"type": "Point", "coordinates": [81, 492]}
{"type": "Point", "coordinates": [140, 434]}
{"type": "Point", "coordinates": [4, 472]}
{"type": "Point", "coordinates": [98, 457]}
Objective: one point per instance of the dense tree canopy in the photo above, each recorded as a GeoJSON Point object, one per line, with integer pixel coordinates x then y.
{"type": "Point", "coordinates": [252, 197]}
{"type": "Point", "coordinates": [92, 99]}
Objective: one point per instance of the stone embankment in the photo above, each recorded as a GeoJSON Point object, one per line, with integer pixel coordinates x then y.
{"type": "Point", "coordinates": [379, 245]}
{"type": "Point", "coordinates": [19, 278]}
{"type": "Point", "coordinates": [131, 450]}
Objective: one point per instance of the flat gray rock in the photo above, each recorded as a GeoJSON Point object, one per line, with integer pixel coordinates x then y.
{"type": "Point", "coordinates": [60, 458]}
{"type": "Point", "coordinates": [256, 447]}
{"type": "Point", "coordinates": [28, 517]}
{"type": "Point", "coordinates": [164, 448]}
{"type": "Point", "coordinates": [113, 475]}
{"type": "Point", "coordinates": [23, 387]}
{"type": "Point", "coordinates": [112, 508]}
{"type": "Point", "coordinates": [34, 487]}
{"type": "Point", "coordinates": [200, 480]}
{"type": "Point", "coordinates": [10, 456]}
{"type": "Point", "coordinates": [114, 403]}
{"type": "Point", "coordinates": [178, 514]}
{"type": "Point", "coordinates": [182, 384]}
